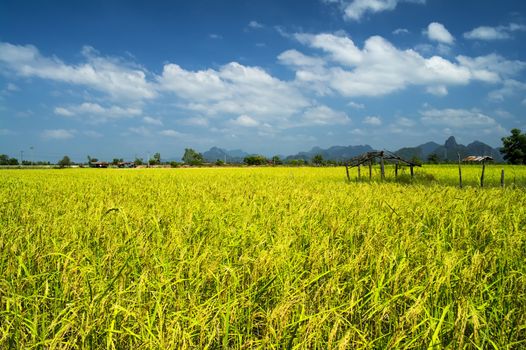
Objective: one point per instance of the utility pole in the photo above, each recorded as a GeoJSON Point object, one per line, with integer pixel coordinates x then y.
{"type": "Point", "coordinates": [32, 154]}
{"type": "Point", "coordinates": [21, 157]}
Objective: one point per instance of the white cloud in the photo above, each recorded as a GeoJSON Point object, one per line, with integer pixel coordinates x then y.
{"type": "Point", "coordinates": [492, 67]}
{"type": "Point", "coordinates": [141, 131]}
{"type": "Point", "coordinates": [152, 121]}
{"type": "Point", "coordinates": [323, 115]}
{"type": "Point", "coordinates": [509, 88]}
{"type": "Point", "coordinates": [63, 112]}
{"type": "Point", "coordinates": [245, 121]}
{"type": "Point", "coordinates": [438, 90]}
{"type": "Point", "coordinates": [379, 68]}
{"type": "Point", "coordinates": [234, 89]}
{"type": "Point", "coordinates": [111, 76]}
{"type": "Point", "coordinates": [255, 25]}
{"type": "Point", "coordinates": [195, 121]}
{"type": "Point", "coordinates": [340, 48]}
{"type": "Point", "coordinates": [58, 134]}
{"type": "Point", "coordinates": [96, 113]}
{"type": "Point", "coordinates": [493, 33]}
{"type": "Point", "coordinates": [372, 120]}
{"type": "Point", "coordinates": [356, 105]}
{"type": "Point", "coordinates": [404, 122]}
{"type": "Point", "coordinates": [437, 32]}
{"type": "Point", "coordinates": [457, 118]}
{"type": "Point", "coordinates": [171, 133]}
{"type": "Point", "coordinates": [400, 31]}
{"type": "Point", "coordinates": [358, 8]}
{"type": "Point", "coordinates": [12, 87]}
{"type": "Point", "coordinates": [298, 59]}
{"type": "Point", "coordinates": [215, 36]}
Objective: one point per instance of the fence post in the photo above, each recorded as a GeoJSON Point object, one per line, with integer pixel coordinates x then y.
{"type": "Point", "coordinates": [370, 170]}
{"type": "Point", "coordinates": [459, 171]}
{"type": "Point", "coordinates": [396, 169]}
{"type": "Point", "coordinates": [482, 175]}
{"type": "Point", "coordinates": [359, 173]}
{"type": "Point", "coordinates": [502, 178]}
{"type": "Point", "coordinates": [347, 172]}
{"type": "Point", "coordinates": [382, 167]}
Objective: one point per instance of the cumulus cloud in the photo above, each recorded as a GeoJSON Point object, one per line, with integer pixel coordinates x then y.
{"type": "Point", "coordinates": [372, 120]}
{"type": "Point", "coordinates": [58, 134]}
{"type": "Point", "coordinates": [492, 67]}
{"type": "Point", "coordinates": [152, 121]}
{"type": "Point", "coordinates": [171, 133]}
{"type": "Point", "coordinates": [494, 33]}
{"type": "Point", "coordinates": [245, 121]}
{"type": "Point", "coordinates": [234, 89]}
{"type": "Point", "coordinates": [379, 68]}
{"type": "Point", "coordinates": [400, 31]}
{"type": "Point", "coordinates": [457, 118]}
{"type": "Point", "coordinates": [437, 32]}
{"type": "Point", "coordinates": [107, 75]}
{"type": "Point", "coordinates": [356, 9]}
{"type": "Point", "coordinates": [509, 88]}
{"type": "Point", "coordinates": [323, 115]}
{"type": "Point", "coordinates": [255, 25]}
{"type": "Point", "coordinates": [97, 113]}
{"type": "Point", "coordinates": [438, 90]}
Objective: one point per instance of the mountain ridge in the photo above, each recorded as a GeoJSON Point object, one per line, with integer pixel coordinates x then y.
{"type": "Point", "coordinates": [448, 151]}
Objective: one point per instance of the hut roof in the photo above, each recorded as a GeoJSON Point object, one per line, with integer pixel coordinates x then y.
{"type": "Point", "coordinates": [386, 155]}
{"type": "Point", "coordinates": [477, 158]}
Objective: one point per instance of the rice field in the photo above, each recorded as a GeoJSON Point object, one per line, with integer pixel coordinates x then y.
{"type": "Point", "coordinates": [262, 258]}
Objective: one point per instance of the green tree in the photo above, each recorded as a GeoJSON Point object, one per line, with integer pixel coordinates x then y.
{"type": "Point", "coordinates": [191, 157]}
{"type": "Point", "coordinates": [432, 158]}
{"type": "Point", "coordinates": [514, 147]}
{"type": "Point", "coordinates": [4, 159]}
{"type": "Point", "coordinates": [276, 160]}
{"type": "Point", "coordinates": [156, 159]}
{"type": "Point", "coordinates": [317, 160]}
{"type": "Point", "coordinates": [138, 161]}
{"type": "Point", "coordinates": [64, 162]}
{"type": "Point", "coordinates": [117, 161]}
{"type": "Point", "coordinates": [255, 160]}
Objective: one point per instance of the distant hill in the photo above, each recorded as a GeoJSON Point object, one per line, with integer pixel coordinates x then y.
{"type": "Point", "coordinates": [450, 150]}
{"type": "Point", "coordinates": [446, 152]}
{"type": "Point", "coordinates": [232, 156]}
{"type": "Point", "coordinates": [337, 153]}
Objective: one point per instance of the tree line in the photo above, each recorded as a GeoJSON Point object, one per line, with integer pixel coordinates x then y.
{"type": "Point", "coordinates": [513, 150]}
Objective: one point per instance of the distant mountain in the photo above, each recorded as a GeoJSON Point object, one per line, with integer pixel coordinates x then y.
{"type": "Point", "coordinates": [232, 156]}
{"type": "Point", "coordinates": [337, 153]}
{"type": "Point", "coordinates": [450, 150]}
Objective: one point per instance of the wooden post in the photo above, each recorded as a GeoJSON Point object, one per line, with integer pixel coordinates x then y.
{"type": "Point", "coordinates": [459, 171]}
{"type": "Point", "coordinates": [396, 169]}
{"type": "Point", "coordinates": [359, 173]}
{"type": "Point", "coordinates": [502, 178]}
{"type": "Point", "coordinates": [482, 175]}
{"type": "Point", "coordinates": [370, 170]}
{"type": "Point", "coordinates": [412, 171]}
{"type": "Point", "coordinates": [382, 167]}
{"type": "Point", "coordinates": [347, 172]}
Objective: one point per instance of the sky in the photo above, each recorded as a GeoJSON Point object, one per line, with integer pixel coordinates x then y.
{"type": "Point", "coordinates": [124, 79]}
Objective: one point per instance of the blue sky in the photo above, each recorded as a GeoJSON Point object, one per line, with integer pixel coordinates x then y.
{"type": "Point", "coordinates": [127, 78]}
